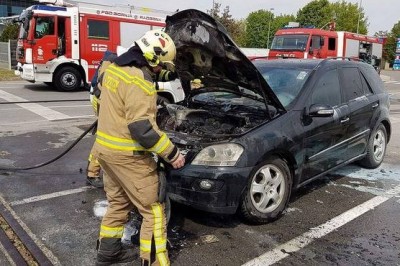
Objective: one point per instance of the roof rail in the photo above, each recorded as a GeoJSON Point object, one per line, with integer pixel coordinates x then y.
{"type": "Point", "coordinates": [344, 58]}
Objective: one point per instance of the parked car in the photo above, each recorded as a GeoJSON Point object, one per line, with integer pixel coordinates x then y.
{"type": "Point", "coordinates": [255, 131]}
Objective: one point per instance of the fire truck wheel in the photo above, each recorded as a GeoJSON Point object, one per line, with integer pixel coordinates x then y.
{"type": "Point", "coordinates": [67, 79]}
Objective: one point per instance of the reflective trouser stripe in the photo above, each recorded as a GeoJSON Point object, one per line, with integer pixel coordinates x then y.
{"type": "Point", "coordinates": [111, 232]}
{"type": "Point", "coordinates": [159, 236]}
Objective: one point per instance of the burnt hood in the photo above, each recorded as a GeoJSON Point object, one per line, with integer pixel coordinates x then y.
{"type": "Point", "coordinates": [206, 52]}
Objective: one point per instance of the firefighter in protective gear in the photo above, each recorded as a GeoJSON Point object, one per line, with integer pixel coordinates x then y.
{"type": "Point", "coordinates": [93, 169]}
{"type": "Point", "coordinates": [127, 134]}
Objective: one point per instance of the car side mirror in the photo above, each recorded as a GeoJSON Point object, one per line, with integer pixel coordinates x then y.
{"type": "Point", "coordinates": [320, 110]}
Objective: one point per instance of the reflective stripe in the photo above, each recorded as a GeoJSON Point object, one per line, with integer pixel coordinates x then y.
{"type": "Point", "coordinates": [130, 144]}
{"type": "Point", "coordinates": [145, 245]}
{"type": "Point", "coordinates": [161, 145]}
{"type": "Point", "coordinates": [146, 86]}
{"type": "Point", "coordinates": [157, 214]}
{"type": "Point", "coordinates": [111, 232]}
{"type": "Point", "coordinates": [162, 259]}
{"type": "Point", "coordinates": [90, 157]}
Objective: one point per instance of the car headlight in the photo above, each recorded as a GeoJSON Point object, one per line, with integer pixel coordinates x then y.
{"type": "Point", "coordinates": [219, 155]}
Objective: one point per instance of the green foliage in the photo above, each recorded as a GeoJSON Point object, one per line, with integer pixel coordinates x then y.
{"type": "Point", "coordinates": [10, 32]}
{"type": "Point", "coordinates": [349, 17]}
{"type": "Point", "coordinates": [257, 25]}
{"type": "Point", "coordinates": [234, 28]}
{"type": "Point", "coordinates": [390, 47]}
{"type": "Point", "coordinates": [316, 13]}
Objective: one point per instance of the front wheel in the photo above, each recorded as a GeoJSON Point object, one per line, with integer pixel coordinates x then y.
{"type": "Point", "coordinates": [267, 192]}
{"type": "Point", "coordinates": [67, 79]}
{"type": "Point", "coordinates": [376, 148]}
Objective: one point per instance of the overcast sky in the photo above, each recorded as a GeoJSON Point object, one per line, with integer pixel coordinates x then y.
{"type": "Point", "coordinates": [382, 14]}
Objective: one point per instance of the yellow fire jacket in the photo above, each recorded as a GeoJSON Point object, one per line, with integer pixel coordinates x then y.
{"type": "Point", "coordinates": [127, 117]}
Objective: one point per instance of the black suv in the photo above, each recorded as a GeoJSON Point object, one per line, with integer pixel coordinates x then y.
{"type": "Point", "coordinates": [254, 131]}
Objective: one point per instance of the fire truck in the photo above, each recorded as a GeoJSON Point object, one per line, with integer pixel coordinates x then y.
{"type": "Point", "coordinates": [294, 42]}
{"type": "Point", "coordinates": [61, 43]}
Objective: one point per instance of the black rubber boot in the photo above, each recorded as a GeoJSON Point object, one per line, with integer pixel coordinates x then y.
{"type": "Point", "coordinates": [110, 251]}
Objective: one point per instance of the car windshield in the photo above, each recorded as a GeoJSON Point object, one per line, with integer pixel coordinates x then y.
{"type": "Point", "coordinates": [290, 42]}
{"type": "Point", "coordinates": [228, 100]}
{"type": "Point", "coordinates": [284, 81]}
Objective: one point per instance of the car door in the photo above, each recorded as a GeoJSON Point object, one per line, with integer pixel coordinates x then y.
{"type": "Point", "coordinates": [45, 45]}
{"type": "Point", "coordinates": [362, 104]}
{"type": "Point", "coordinates": [324, 142]}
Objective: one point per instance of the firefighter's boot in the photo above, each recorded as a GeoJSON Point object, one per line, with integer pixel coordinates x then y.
{"type": "Point", "coordinates": [110, 251]}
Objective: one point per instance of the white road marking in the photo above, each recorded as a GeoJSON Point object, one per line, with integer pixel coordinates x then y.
{"type": "Point", "coordinates": [294, 245]}
{"type": "Point", "coordinates": [44, 249]}
{"type": "Point", "coordinates": [50, 196]}
{"type": "Point", "coordinates": [38, 109]}
{"type": "Point", "coordinates": [391, 81]}
{"type": "Point", "coordinates": [8, 257]}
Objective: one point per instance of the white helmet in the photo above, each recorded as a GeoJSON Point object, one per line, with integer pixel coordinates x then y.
{"type": "Point", "coordinates": [157, 46]}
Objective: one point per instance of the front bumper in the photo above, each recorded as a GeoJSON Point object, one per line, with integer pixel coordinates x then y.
{"type": "Point", "coordinates": [183, 186]}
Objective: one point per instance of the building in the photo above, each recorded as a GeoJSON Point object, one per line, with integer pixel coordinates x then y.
{"type": "Point", "coordinates": [12, 7]}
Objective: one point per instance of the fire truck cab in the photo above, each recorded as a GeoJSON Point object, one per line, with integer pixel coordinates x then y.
{"type": "Point", "coordinates": [62, 44]}
{"type": "Point", "coordinates": [317, 43]}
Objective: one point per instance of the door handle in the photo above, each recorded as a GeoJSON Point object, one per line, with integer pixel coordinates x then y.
{"type": "Point", "coordinates": [375, 105]}
{"type": "Point", "coordinates": [345, 120]}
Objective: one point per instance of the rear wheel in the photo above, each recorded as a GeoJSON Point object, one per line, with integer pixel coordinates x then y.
{"type": "Point", "coordinates": [268, 191]}
{"type": "Point", "coordinates": [376, 148]}
{"type": "Point", "coordinates": [67, 79]}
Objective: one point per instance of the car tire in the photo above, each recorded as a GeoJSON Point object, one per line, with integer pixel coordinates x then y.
{"type": "Point", "coordinates": [267, 192]}
{"type": "Point", "coordinates": [376, 148]}
{"type": "Point", "coordinates": [67, 79]}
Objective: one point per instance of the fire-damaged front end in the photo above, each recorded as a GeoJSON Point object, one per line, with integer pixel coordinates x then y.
{"type": "Point", "coordinates": [226, 100]}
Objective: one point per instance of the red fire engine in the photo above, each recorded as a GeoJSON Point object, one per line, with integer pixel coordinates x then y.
{"type": "Point", "coordinates": [317, 43]}
{"type": "Point", "coordinates": [62, 44]}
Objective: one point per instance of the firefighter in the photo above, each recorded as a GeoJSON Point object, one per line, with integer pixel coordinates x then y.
{"type": "Point", "coordinates": [93, 169]}
{"type": "Point", "coordinates": [127, 134]}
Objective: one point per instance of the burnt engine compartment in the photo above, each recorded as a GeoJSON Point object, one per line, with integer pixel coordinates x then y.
{"type": "Point", "coordinates": [207, 121]}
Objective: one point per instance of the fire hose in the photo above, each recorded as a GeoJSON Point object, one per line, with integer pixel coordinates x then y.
{"type": "Point", "coordinates": [12, 169]}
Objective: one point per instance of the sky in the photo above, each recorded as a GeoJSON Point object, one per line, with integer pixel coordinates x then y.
{"type": "Point", "coordinates": [382, 14]}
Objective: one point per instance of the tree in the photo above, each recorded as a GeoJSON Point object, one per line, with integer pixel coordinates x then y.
{"type": "Point", "coordinates": [10, 32]}
{"type": "Point", "coordinates": [233, 27]}
{"type": "Point", "coordinates": [316, 13]}
{"type": "Point", "coordinates": [257, 24]}
{"type": "Point", "coordinates": [349, 17]}
{"type": "Point", "coordinates": [390, 47]}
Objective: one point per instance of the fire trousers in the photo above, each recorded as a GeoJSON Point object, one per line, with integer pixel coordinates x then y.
{"type": "Point", "coordinates": [93, 168]}
{"type": "Point", "coordinates": [133, 180]}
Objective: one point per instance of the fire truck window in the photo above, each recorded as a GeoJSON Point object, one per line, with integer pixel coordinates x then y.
{"type": "Point", "coordinates": [315, 42]}
{"type": "Point", "coordinates": [44, 26]}
{"type": "Point", "coordinates": [352, 86]}
{"type": "Point", "coordinates": [327, 89]}
{"type": "Point", "coordinates": [332, 44]}
{"type": "Point", "coordinates": [98, 29]}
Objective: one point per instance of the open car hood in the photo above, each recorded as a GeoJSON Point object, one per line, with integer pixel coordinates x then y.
{"type": "Point", "coordinates": [206, 52]}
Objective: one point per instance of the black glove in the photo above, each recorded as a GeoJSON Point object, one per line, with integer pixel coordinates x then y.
{"type": "Point", "coordinates": [172, 75]}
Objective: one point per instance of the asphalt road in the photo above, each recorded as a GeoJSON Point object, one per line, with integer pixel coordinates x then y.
{"type": "Point", "coordinates": [349, 217]}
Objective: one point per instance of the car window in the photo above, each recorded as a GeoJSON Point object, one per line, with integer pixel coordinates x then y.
{"type": "Point", "coordinates": [327, 89]}
{"type": "Point", "coordinates": [373, 78]}
{"type": "Point", "coordinates": [367, 88]}
{"type": "Point", "coordinates": [286, 83]}
{"type": "Point", "coordinates": [352, 86]}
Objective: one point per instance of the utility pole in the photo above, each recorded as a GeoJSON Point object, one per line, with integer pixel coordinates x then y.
{"type": "Point", "coordinates": [269, 25]}
{"type": "Point", "coordinates": [359, 16]}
